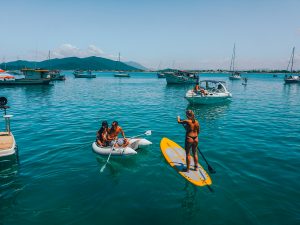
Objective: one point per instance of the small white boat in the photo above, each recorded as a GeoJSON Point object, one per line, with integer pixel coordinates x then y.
{"type": "Point", "coordinates": [7, 141]}
{"type": "Point", "coordinates": [134, 144]}
{"type": "Point", "coordinates": [181, 77]}
{"type": "Point", "coordinates": [211, 92]}
{"type": "Point", "coordinates": [235, 76]}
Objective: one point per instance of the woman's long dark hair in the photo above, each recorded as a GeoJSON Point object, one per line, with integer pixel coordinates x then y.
{"type": "Point", "coordinates": [104, 126]}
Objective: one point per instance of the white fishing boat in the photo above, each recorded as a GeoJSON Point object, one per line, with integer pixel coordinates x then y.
{"type": "Point", "coordinates": [211, 92]}
{"type": "Point", "coordinates": [288, 79]}
{"type": "Point", "coordinates": [130, 149]}
{"type": "Point", "coordinates": [234, 74]}
{"type": "Point", "coordinates": [181, 77]}
{"type": "Point", "coordinates": [7, 141]}
{"type": "Point", "coordinates": [120, 73]}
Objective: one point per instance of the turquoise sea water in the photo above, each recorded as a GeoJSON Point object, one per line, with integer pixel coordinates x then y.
{"type": "Point", "coordinates": [253, 143]}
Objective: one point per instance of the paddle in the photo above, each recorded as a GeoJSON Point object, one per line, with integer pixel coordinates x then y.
{"type": "Point", "coordinates": [211, 170]}
{"type": "Point", "coordinates": [147, 133]}
{"type": "Point", "coordinates": [112, 148]}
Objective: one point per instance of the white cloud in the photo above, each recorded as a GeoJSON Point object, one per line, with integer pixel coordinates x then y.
{"type": "Point", "coordinates": [69, 50]}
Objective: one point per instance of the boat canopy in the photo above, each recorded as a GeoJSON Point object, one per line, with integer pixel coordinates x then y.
{"type": "Point", "coordinates": [213, 85]}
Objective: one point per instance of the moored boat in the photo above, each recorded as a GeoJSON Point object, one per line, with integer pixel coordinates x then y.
{"type": "Point", "coordinates": [134, 144]}
{"type": "Point", "coordinates": [181, 77]}
{"type": "Point", "coordinates": [119, 72]}
{"type": "Point", "coordinates": [7, 141]}
{"type": "Point", "coordinates": [31, 76]}
{"type": "Point", "coordinates": [211, 92]}
{"type": "Point", "coordinates": [56, 75]}
{"type": "Point", "coordinates": [234, 74]}
{"type": "Point", "coordinates": [84, 74]}
{"type": "Point", "coordinates": [289, 79]}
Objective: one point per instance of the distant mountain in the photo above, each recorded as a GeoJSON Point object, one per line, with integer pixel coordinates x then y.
{"type": "Point", "coordinates": [72, 63]}
{"type": "Point", "coordinates": [136, 65]}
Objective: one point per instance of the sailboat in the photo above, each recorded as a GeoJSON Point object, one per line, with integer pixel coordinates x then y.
{"type": "Point", "coordinates": [291, 79]}
{"type": "Point", "coordinates": [234, 74]}
{"type": "Point", "coordinates": [121, 73]}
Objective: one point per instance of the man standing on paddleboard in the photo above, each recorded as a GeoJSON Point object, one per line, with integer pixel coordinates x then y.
{"type": "Point", "coordinates": [192, 128]}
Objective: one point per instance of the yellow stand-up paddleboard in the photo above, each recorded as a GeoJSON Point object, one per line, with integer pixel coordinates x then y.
{"type": "Point", "coordinates": [175, 156]}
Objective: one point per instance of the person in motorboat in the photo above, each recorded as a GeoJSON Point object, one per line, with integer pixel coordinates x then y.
{"type": "Point", "coordinates": [102, 134]}
{"type": "Point", "coordinates": [197, 88]}
{"type": "Point", "coordinates": [192, 128]}
{"type": "Point", "coordinates": [112, 136]}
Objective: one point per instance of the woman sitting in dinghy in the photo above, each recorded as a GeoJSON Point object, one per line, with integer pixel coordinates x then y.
{"type": "Point", "coordinates": [102, 135]}
{"type": "Point", "coordinates": [112, 135]}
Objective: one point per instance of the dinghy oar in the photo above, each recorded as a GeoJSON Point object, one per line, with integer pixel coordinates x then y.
{"type": "Point", "coordinates": [147, 133]}
{"type": "Point", "coordinates": [112, 148]}
{"type": "Point", "coordinates": [211, 170]}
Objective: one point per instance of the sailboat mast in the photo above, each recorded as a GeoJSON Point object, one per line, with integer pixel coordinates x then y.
{"type": "Point", "coordinates": [292, 59]}
{"type": "Point", "coordinates": [233, 59]}
{"type": "Point", "coordinates": [49, 60]}
{"type": "Point", "coordinates": [231, 69]}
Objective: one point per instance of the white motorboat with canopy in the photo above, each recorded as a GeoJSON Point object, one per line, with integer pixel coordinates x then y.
{"type": "Point", "coordinates": [211, 92]}
{"type": "Point", "coordinates": [7, 141]}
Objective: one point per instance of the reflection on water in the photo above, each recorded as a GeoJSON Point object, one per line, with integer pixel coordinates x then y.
{"type": "Point", "coordinates": [291, 89]}
{"type": "Point", "coordinates": [9, 186]}
{"type": "Point", "coordinates": [209, 112]}
{"type": "Point", "coordinates": [189, 202]}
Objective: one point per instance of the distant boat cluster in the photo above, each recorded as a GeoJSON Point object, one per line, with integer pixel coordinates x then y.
{"type": "Point", "coordinates": [185, 77]}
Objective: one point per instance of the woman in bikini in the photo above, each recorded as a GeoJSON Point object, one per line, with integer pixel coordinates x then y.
{"type": "Point", "coordinates": [102, 134]}
{"type": "Point", "coordinates": [192, 128]}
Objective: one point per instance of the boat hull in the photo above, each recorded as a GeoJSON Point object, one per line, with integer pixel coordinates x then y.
{"type": "Point", "coordinates": [122, 75]}
{"type": "Point", "coordinates": [235, 77]}
{"type": "Point", "coordinates": [134, 144]}
{"type": "Point", "coordinates": [25, 82]}
{"type": "Point", "coordinates": [85, 76]}
{"type": "Point", "coordinates": [209, 99]}
{"type": "Point", "coordinates": [7, 151]}
{"type": "Point", "coordinates": [292, 79]}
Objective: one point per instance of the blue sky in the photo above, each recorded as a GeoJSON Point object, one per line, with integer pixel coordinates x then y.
{"type": "Point", "coordinates": [187, 34]}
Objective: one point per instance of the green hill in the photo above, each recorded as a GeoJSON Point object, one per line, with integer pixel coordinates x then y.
{"type": "Point", "coordinates": [71, 63]}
